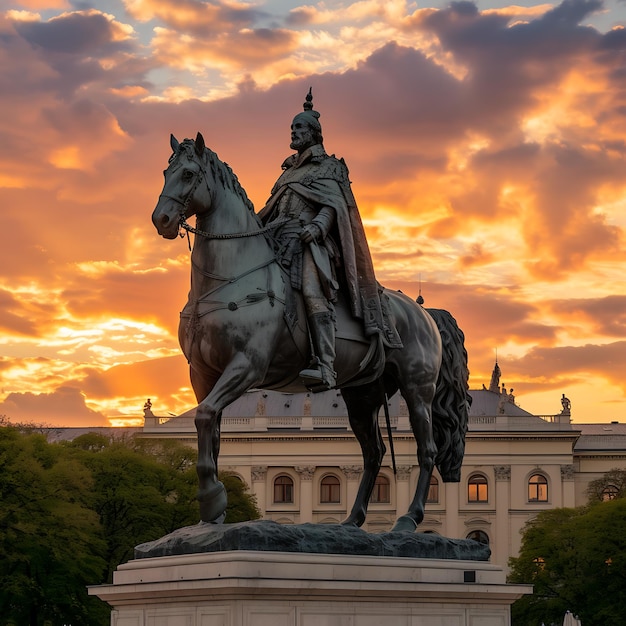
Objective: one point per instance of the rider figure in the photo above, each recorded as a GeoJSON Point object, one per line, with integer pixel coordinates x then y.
{"type": "Point", "coordinates": [321, 242]}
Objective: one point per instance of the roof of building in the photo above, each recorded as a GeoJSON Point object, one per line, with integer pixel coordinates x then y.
{"type": "Point", "coordinates": [601, 437]}
{"type": "Point", "coordinates": [69, 434]}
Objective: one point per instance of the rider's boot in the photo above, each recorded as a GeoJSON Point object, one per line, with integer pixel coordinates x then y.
{"type": "Point", "coordinates": [320, 375]}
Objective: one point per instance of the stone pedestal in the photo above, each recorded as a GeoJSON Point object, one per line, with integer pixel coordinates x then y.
{"type": "Point", "coordinates": [251, 588]}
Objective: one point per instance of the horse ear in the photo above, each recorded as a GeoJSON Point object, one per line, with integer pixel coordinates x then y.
{"type": "Point", "coordinates": [174, 143]}
{"type": "Point", "coordinates": [200, 145]}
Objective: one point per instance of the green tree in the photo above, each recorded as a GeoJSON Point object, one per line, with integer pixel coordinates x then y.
{"type": "Point", "coordinates": [609, 487]}
{"type": "Point", "coordinates": [73, 511]}
{"type": "Point", "coordinates": [576, 560]}
{"type": "Point", "coordinates": [140, 493]}
{"type": "Point", "coordinates": [242, 506]}
{"type": "Point", "coordinates": [146, 488]}
{"type": "Point", "coordinates": [51, 546]}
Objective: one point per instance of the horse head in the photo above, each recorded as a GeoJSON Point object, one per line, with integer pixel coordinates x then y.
{"type": "Point", "coordinates": [183, 193]}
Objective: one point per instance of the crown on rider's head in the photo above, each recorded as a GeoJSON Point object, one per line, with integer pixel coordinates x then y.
{"type": "Point", "coordinates": [309, 116]}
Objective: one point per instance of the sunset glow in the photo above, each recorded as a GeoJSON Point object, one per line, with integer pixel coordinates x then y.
{"type": "Point", "coordinates": [486, 144]}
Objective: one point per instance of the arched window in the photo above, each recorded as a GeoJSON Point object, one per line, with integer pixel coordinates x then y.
{"type": "Point", "coordinates": [330, 489]}
{"type": "Point", "coordinates": [479, 535]}
{"type": "Point", "coordinates": [610, 492]}
{"type": "Point", "coordinates": [433, 491]}
{"type": "Point", "coordinates": [283, 489]}
{"type": "Point", "coordinates": [381, 490]}
{"type": "Point", "coordinates": [477, 489]}
{"type": "Point", "coordinates": [537, 488]}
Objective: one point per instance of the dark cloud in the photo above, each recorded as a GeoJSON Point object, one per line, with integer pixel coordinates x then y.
{"type": "Point", "coordinates": [63, 407]}
{"type": "Point", "coordinates": [607, 361]}
{"type": "Point", "coordinates": [300, 16]}
{"type": "Point", "coordinates": [88, 33]}
{"type": "Point", "coordinates": [606, 316]}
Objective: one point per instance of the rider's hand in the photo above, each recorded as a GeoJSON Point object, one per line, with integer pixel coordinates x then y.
{"type": "Point", "coordinates": [311, 232]}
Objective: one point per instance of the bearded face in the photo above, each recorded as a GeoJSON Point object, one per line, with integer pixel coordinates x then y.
{"type": "Point", "coordinates": [302, 136]}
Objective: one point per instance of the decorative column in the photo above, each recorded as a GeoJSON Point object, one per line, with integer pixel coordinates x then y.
{"type": "Point", "coordinates": [258, 474]}
{"type": "Point", "coordinates": [567, 481]}
{"type": "Point", "coordinates": [500, 549]}
{"type": "Point", "coordinates": [353, 474]}
{"type": "Point", "coordinates": [403, 497]}
{"type": "Point", "coordinates": [306, 491]}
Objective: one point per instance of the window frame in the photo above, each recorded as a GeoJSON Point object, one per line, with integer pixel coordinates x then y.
{"type": "Point", "coordinates": [537, 486]}
{"type": "Point", "coordinates": [285, 487]}
{"type": "Point", "coordinates": [477, 481]}
{"type": "Point", "coordinates": [334, 489]}
{"type": "Point", "coordinates": [479, 533]}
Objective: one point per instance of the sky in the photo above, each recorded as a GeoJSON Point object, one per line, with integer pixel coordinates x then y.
{"type": "Point", "coordinates": [486, 144]}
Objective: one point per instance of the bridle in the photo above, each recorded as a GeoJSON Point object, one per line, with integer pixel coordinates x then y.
{"type": "Point", "coordinates": [186, 228]}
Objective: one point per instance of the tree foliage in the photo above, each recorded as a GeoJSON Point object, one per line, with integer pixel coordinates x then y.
{"type": "Point", "coordinates": [51, 544]}
{"type": "Point", "coordinates": [72, 512]}
{"type": "Point", "coordinates": [610, 486]}
{"type": "Point", "coordinates": [576, 560]}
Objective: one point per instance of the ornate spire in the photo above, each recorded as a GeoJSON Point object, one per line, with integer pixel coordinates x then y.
{"type": "Point", "coordinates": [494, 385]}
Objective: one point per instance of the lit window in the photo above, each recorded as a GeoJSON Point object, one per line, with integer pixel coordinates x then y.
{"type": "Point", "coordinates": [330, 489]}
{"type": "Point", "coordinates": [480, 536]}
{"type": "Point", "coordinates": [610, 492]}
{"type": "Point", "coordinates": [283, 489]}
{"type": "Point", "coordinates": [537, 488]}
{"type": "Point", "coordinates": [433, 491]}
{"type": "Point", "coordinates": [477, 489]}
{"type": "Point", "coordinates": [381, 490]}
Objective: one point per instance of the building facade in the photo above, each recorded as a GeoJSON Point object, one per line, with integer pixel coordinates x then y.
{"type": "Point", "coordinates": [302, 462]}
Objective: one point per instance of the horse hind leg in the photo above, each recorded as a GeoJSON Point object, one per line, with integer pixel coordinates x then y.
{"type": "Point", "coordinates": [363, 405]}
{"type": "Point", "coordinates": [420, 414]}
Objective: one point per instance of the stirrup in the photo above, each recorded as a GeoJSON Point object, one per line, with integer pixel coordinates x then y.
{"type": "Point", "coordinates": [314, 379]}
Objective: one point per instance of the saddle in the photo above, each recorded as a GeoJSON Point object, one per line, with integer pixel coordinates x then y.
{"type": "Point", "coordinates": [348, 330]}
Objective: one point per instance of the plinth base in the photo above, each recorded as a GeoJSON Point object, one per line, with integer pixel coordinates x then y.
{"type": "Point", "coordinates": [250, 588]}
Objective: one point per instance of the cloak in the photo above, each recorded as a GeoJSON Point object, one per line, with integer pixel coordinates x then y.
{"type": "Point", "coordinates": [322, 180]}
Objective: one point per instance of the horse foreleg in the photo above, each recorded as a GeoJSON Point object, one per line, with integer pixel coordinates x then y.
{"type": "Point", "coordinates": [236, 379]}
{"type": "Point", "coordinates": [211, 491]}
{"type": "Point", "coordinates": [420, 415]}
{"type": "Point", "coordinates": [363, 404]}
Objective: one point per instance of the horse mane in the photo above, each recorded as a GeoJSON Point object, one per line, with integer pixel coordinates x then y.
{"type": "Point", "coordinates": [220, 170]}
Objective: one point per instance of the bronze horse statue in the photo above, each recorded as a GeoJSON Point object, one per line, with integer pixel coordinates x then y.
{"type": "Point", "coordinates": [235, 337]}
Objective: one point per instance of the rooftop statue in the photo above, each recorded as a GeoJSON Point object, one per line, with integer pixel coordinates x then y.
{"type": "Point", "coordinates": [256, 280]}
{"type": "Point", "coordinates": [566, 404]}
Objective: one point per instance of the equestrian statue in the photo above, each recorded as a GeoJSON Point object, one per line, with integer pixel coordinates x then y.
{"type": "Point", "coordinates": [287, 300]}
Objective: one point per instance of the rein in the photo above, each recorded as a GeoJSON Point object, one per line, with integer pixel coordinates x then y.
{"type": "Point", "coordinates": [250, 233]}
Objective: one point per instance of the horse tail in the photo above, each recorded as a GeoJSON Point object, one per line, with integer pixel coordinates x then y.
{"type": "Point", "coordinates": [452, 399]}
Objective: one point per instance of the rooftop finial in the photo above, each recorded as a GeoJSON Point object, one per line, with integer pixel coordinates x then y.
{"type": "Point", "coordinates": [420, 300]}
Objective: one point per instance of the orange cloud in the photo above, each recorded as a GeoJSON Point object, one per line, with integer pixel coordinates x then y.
{"type": "Point", "coordinates": [486, 150]}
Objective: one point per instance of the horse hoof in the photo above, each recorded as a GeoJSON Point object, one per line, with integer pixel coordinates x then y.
{"type": "Point", "coordinates": [354, 521]}
{"type": "Point", "coordinates": [405, 523]}
{"type": "Point", "coordinates": [213, 503]}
